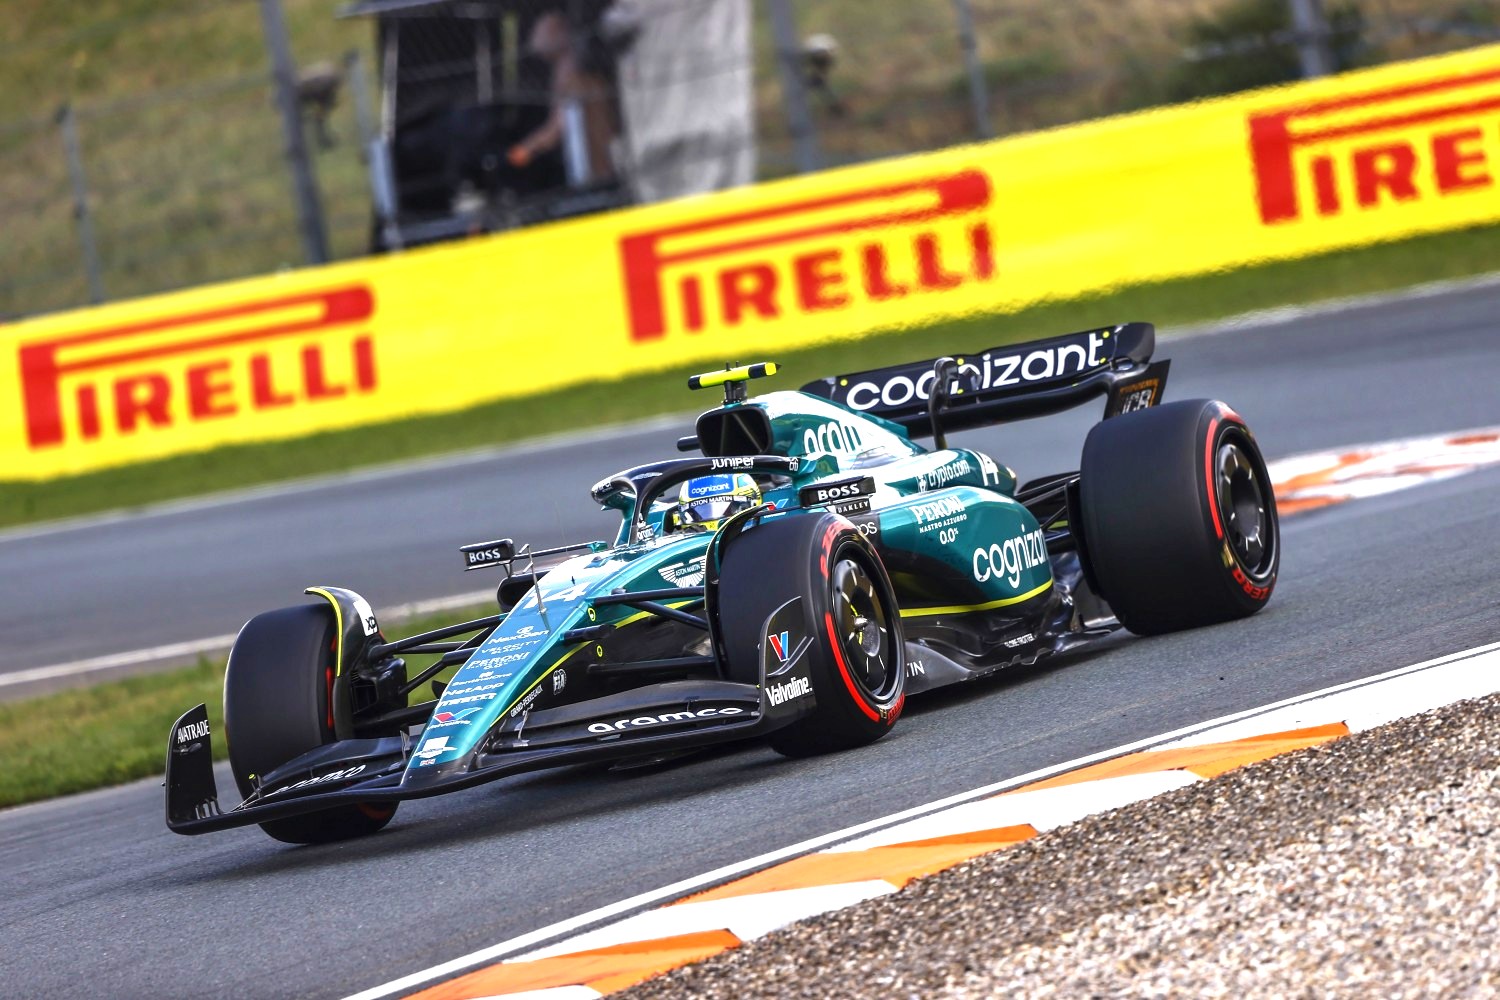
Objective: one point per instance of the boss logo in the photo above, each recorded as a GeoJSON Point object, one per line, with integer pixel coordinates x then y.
{"type": "Point", "coordinates": [494, 553]}
{"type": "Point", "coordinates": [811, 496]}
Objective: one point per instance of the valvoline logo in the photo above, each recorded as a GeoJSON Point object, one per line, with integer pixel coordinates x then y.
{"type": "Point", "coordinates": [779, 643]}
{"type": "Point", "coordinates": [451, 718]}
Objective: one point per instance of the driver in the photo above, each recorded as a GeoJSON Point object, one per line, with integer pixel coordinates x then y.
{"type": "Point", "coordinates": [704, 502]}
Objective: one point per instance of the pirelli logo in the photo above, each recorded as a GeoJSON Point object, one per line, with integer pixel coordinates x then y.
{"type": "Point", "coordinates": [1427, 140]}
{"type": "Point", "coordinates": [868, 244]}
{"type": "Point", "coordinates": [213, 364]}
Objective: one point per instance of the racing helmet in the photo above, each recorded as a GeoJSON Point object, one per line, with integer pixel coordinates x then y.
{"type": "Point", "coordinates": [704, 502]}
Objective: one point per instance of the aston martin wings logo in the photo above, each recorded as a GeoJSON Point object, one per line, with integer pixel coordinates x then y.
{"type": "Point", "coordinates": [688, 573]}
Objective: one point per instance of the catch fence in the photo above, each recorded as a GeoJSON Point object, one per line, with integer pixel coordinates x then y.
{"type": "Point", "coordinates": [159, 146]}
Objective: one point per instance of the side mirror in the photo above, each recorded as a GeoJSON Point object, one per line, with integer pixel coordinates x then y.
{"type": "Point", "coordinates": [500, 552]}
{"type": "Point", "coordinates": [943, 371]}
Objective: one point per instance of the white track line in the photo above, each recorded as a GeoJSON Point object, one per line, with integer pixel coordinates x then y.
{"type": "Point", "coordinates": [364, 474]}
{"type": "Point", "coordinates": [1281, 315]}
{"type": "Point", "coordinates": [218, 643]}
{"type": "Point", "coordinates": [552, 933]}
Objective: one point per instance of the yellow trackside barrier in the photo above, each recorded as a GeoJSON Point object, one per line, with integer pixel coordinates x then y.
{"type": "Point", "coordinates": [1275, 174]}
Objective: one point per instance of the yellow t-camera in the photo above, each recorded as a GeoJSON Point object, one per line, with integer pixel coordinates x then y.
{"type": "Point", "coordinates": [731, 377]}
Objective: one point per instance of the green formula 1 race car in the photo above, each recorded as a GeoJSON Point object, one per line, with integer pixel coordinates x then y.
{"type": "Point", "coordinates": [797, 579]}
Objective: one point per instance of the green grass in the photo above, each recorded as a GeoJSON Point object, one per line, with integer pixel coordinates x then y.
{"type": "Point", "coordinates": [117, 731]}
{"type": "Point", "coordinates": [181, 145]}
{"type": "Point", "coordinates": [1369, 269]}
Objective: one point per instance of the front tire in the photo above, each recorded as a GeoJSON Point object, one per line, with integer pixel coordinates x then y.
{"type": "Point", "coordinates": [1179, 518]}
{"type": "Point", "coordinates": [278, 689]}
{"type": "Point", "coordinates": [857, 660]}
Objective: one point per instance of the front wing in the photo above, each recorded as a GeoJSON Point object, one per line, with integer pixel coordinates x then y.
{"type": "Point", "coordinates": [647, 720]}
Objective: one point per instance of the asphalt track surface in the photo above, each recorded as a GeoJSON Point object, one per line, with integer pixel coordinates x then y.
{"type": "Point", "coordinates": [96, 895]}
{"type": "Point", "coordinates": [193, 571]}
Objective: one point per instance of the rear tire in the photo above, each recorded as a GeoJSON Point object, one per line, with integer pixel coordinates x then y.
{"type": "Point", "coordinates": [1179, 519]}
{"type": "Point", "coordinates": [277, 690]}
{"type": "Point", "coordinates": [857, 659]}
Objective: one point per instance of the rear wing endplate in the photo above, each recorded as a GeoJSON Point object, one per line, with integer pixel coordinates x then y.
{"type": "Point", "coordinates": [1011, 382]}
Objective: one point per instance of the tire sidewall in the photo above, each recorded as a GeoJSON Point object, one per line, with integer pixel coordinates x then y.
{"type": "Point", "coordinates": [793, 557]}
{"type": "Point", "coordinates": [276, 690]}
{"type": "Point", "coordinates": [831, 671]}
{"type": "Point", "coordinates": [276, 707]}
{"type": "Point", "coordinates": [1248, 587]}
{"type": "Point", "coordinates": [1153, 535]}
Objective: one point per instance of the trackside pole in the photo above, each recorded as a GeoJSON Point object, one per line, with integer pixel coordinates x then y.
{"type": "Point", "coordinates": [794, 88]}
{"type": "Point", "coordinates": [979, 95]}
{"type": "Point", "coordinates": [68, 123]}
{"type": "Point", "coordinates": [304, 182]}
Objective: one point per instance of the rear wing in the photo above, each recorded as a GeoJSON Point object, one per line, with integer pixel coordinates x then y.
{"type": "Point", "coordinates": [1011, 382]}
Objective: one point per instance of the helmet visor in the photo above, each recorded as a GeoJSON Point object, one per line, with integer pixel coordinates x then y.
{"type": "Point", "coordinates": [713, 509]}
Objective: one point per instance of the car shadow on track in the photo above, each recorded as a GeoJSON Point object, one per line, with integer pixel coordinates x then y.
{"type": "Point", "coordinates": [550, 803]}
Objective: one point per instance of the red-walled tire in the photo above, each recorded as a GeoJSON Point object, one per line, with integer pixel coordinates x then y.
{"type": "Point", "coordinates": [1179, 518]}
{"type": "Point", "coordinates": [276, 692]}
{"type": "Point", "coordinates": [857, 664]}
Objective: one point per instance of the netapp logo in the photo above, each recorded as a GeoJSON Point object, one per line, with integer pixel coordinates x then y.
{"type": "Point", "coordinates": [797, 687]}
{"type": "Point", "coordinates": [454, 692]}
{"type": "Point", "coordinates": [467, 699]}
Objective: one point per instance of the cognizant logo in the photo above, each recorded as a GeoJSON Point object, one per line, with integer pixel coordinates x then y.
{"type": "Point", "coordinates": [1010, 558]}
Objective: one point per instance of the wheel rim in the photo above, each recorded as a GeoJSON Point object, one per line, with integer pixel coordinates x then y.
{"type": "Point", "coordinates": [1245, 509]}
{"type": "Point", "coordinates": [862, 630]}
